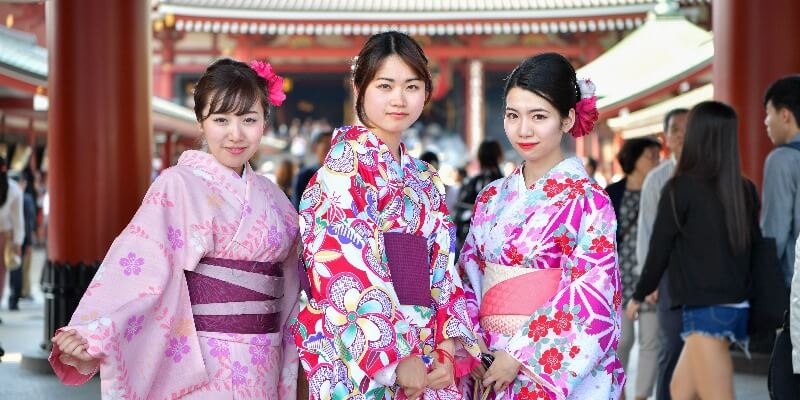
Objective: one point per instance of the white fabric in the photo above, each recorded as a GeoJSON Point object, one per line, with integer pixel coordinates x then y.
{"type": "Point", "coordinates": [11, 217]}
{"type": "Point", "coordinates": [794, 310]}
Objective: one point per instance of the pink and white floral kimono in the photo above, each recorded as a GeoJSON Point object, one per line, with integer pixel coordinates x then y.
{"type": "Point", "coordinates": [192, 298]}
{"type": "Point", "coordinates": [543, 284]}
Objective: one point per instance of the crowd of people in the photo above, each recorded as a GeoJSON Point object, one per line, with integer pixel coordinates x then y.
{"type": "Point", "coordinates": [524, 285]}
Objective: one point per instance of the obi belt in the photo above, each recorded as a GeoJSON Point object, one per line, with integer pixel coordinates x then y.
{"type": "Point", "coordinates": [512, 294]}
{"type": "Point", "coordinates": [234, 296]}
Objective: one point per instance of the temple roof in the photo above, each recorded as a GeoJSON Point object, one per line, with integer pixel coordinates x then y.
{"type": "Point", "coordinates": [423, 17]}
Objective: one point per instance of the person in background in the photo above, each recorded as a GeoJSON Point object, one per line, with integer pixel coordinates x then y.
{"type": "Point", "coordinates": [12, 222]}
{"type": "Point", "coordinates": [706, 224]}
{"type": "Point", "coordinates": [637, 157]}
{"type": "Point", "coordinates": [320, 145]}
{"type": "Point", "coordinates": [490, 156]}
{"type": "Point", "coordinates": [18, 275]}
{"type": "Point", "coordinates": [284, 174]}
{"type": "Point", "coordinates": [670, 321]}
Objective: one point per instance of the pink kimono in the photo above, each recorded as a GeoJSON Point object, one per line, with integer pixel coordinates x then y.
{"type": "Point", "coordinates": [542, 283]}
{"type": "Point", "coordinates": [192, 298]}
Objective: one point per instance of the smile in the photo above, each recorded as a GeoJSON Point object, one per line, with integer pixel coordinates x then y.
{"type": "Point", "coordinates": [527, 146]}
{"type": "Point", "coordinates": [236, 150]}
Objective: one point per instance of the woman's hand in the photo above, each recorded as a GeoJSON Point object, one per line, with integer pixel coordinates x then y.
{"type": "Point", "coordinates": [73, 351]}
{"type": "Point", "coordinates": [478, 372]}
{"type": "Point", "coordinates": [503, 371]}
{"type": "Point", "coordinates": [443, 374]}
{"type": "Point", "coordinates": [412, 377]}
{"type": "Point", "coordinates": [632, 311]}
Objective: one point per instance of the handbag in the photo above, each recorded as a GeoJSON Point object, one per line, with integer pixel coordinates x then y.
{"type": "Point", "coordinates": [769, 297]}
{"type": "Point", "coordinates": [12, 260]}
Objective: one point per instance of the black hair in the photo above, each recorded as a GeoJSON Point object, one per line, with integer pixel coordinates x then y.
{"type": "Point", "coordinates": [371, 58]}
{"type": "Point", "coordinates": [785, 93]}
{"type": "Point", "coordinates": [632, 150]}
{"type": "Point", "coordinates": [672, 113]}
{"type": "Point", "coordinates": [549, 75]}
{"type": "Point", "coordinates": [489, 153]}
{"type": "Point", "coordinates": [229, 86]}
{"type": "Point", "coordinates": [430, 158]}
{"type": "Point", "coordinates": [711, 152]}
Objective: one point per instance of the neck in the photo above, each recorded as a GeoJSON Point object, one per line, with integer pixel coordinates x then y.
{"type": "Point", "coordinates": [634, 180]}
{"type": "Point", "coordinates": [534, 170]}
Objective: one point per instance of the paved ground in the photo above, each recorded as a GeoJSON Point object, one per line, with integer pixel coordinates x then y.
{"type": "Point", "coordinates": [23, 332]}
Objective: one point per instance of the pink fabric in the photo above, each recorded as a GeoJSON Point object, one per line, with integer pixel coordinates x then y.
{"type": "Point", "coordinates": [136, 314]}
{"type": "Point", "coordinates": [522, 295]}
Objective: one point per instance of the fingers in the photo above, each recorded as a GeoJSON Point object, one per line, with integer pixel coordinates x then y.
{"type": "Point", "coordinates": [500, 386]}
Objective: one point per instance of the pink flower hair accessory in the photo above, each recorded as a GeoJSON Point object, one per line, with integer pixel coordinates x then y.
{"type": "Point", "coordinates": [586, 113]}
{"type": "Point", "coordinates": [274, 81]}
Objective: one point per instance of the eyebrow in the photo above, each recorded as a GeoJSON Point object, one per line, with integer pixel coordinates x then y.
{"type": "Point", "coordinates": [392, 80]}
{"type": "Point", "coordinates": [529, 111]}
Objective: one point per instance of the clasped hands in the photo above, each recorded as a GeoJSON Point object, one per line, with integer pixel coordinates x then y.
{"type": "Point", "coordinates": [413, 376]}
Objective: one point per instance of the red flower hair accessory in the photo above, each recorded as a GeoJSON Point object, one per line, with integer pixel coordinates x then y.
{"type": "Point", "coordinates": [274, 81]}
{"type": "Point", "coordinates": [586, 113]}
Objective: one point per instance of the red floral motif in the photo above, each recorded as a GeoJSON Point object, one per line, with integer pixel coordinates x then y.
{"type": "Point", "coordinates": [541, 393]}
{"type": "Point", "coordinates": [525, 394]}
{"type": "Point", "coordinates": [514, 256]}
{"type": "Point", "coordinates": [487, 194]}
{"type": "Point", "coordinates": [617, 299]}
{"type": "Point", "coordinates": [552, 187]}
{"type": "Point", "coordinates": [563, 241]}
{"type": "Point", "coordinates": [561, 323]}
{"type": "Point", "coordinates": [482, 265]}
{"type": "Point", "coordinates": [538, 327]}
{"type": "Point", "coordinates": [577, 273]}
{"type": "Point", "coordinates": [551, 360]}
{"type": "Point", "coordinates": [574, 351]}
{"type": "Point", "coordinates": [601, 244]}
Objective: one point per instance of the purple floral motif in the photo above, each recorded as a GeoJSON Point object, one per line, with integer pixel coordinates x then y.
{"type": "Point", "coordinates": [260, 340]}
{"type": "Point", "coordinates": [259, 355]}
{"type": "Point", "coordinates": [219, 348]}
{"type": "Point", "coordinates": [132, 264]}
{"type": "Point", "coordinates": [134, 326]}
{"type": "Point", "coordinates": [239, 373]}
{"type": "Point", "coordinates": [273, 239]}
{"type": "Point", "coordinates": [174, 236]}
{"type": "Point", "coordinates": [177, 347]}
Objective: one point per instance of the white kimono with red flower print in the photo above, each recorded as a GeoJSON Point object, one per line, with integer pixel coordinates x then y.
{"type": "Point", "coordinates": [354, 326]}
{"type": "Point", "coordinates": [137, 314]}
{"type": "Point", "coordinates": [568, 347]}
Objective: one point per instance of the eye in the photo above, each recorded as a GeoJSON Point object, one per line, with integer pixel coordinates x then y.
{"type": "Point", "coordinates": [250, 120]}
{"type": "Point", "coordinates": [383, 86]}
{"type": "Point", "coordinates": [413, 87]}
{"type": "Point", "coordinates": [220, 120]}
{"type": "Point", "coordinates": [538, 117]}
{"type": "Point", "coordinates": [511, 115]}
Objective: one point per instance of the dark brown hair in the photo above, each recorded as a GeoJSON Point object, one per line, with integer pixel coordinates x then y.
{"type": "Point", "coordinates": [371, 57]}
{"type": "Point", "coordinates": [229, 86]}
{"type": "Point", "coordinates": [711, 152]}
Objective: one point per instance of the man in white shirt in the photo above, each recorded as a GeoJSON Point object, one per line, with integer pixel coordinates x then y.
{"type": "Point", "coordinates": [670, 322]}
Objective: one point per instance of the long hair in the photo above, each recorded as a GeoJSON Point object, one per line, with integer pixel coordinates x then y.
{"type": "Point", "coordinates": [711, 152]}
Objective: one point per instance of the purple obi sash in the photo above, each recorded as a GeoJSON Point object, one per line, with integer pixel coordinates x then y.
{"type": "Point", "coordinates": [233, 296]}
{"type": "Point", "coordinates": [410, 266]}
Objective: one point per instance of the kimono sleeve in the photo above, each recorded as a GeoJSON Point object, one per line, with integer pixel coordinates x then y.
{"type": "Point", "coordinates": [471, 266]}
{"type": "Point", "coordinates": [351, 316]}
{"type": "Point", "coordinates": [574, 336]}
{"type": "Point", "coordinates": [289, 306]}
{"type": "Point", "coordinates": [136, 313]}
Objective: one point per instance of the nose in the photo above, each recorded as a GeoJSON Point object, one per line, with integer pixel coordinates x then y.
{"type": "Point", "coordinates": [398, 97]}
{"type": "Point", "coordinates": [526, 128]}
{"type": "Point", "coordinates": [235, 131]}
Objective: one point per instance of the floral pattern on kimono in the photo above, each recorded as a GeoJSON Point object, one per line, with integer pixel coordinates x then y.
{"type": "Point", "coordinates": [354, 326]}
{"type": "Point", "coordinates": [137, 313]}
{"type": "Point", "coordinates": [563, 221]}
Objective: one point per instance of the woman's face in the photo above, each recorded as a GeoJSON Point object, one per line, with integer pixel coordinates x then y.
{"type": "Point", "coordinates": [534, 126]}
{"type": "Point", "coordinates": [233, 139]}
{"type": "Point", "coordinates": [647, 161]}
{"type": "Point", "coordinates": [394, 99]}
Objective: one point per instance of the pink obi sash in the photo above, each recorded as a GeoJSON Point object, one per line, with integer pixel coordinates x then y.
{"type": "Point", "coordinates": [512, 294]}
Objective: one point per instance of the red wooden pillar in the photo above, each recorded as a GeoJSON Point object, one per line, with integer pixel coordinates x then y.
{"type": "Point", "coordinates": [99, 138]}
{"type": "Point", "coordinates": [752, 48]}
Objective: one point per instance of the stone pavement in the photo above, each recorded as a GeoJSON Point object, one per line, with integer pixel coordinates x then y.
{"type": "Point", "coordinates": [22, 332]}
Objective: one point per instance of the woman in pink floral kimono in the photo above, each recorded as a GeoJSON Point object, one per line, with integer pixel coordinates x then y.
{"type": "Point", "coordinates": [386, 310]}
{"type": "Point", "coordinates": [192, 298]}
{"type": "Point", "coordinates": [540, 266]}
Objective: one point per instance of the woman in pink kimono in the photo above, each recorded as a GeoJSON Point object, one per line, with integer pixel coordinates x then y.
{"type": "Point", "coordinates": [386, 310]}
{"type": "Point", "coordinates": [192, 298]}
{"type": "Point", "coordinates": [540, 262]}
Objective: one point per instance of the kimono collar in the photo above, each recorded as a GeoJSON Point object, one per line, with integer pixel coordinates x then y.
{"type": "Point", "coordinates": [371, 141]}
{"type": "Point", "coordinates": [209, 168]}
{"type": "Point", "coordinates": [571, 167]}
